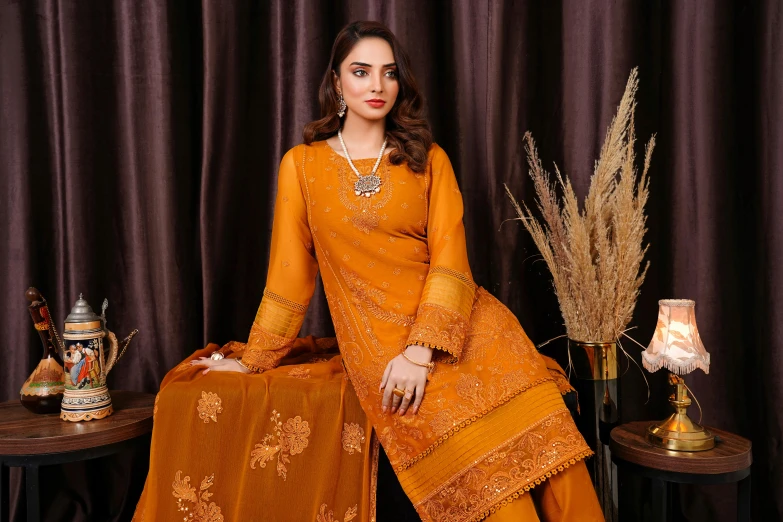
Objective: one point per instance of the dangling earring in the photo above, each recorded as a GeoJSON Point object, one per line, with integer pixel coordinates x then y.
{"type": "Point", "coordinates": [343, 106]}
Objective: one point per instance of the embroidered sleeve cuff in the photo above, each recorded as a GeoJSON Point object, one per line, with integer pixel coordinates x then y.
{"type": "Point", "coordinates": [440, 329]}
{"type": "Point", "coordinates": [274, 332]}
{"type": "Point", "coordinates": [444, 313]}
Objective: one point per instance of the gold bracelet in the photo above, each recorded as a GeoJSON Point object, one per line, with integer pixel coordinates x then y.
{"type": "Point", "coordinates": [430, 365]}
{"type": "Point", "coordinates": [243, 365]}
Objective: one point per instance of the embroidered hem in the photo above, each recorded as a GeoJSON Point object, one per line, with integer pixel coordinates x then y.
{"type": "Point", "coordinates": [408, 463]}
{"type": "Point", "coordinates": [508, 500]}
{"type": "Point", "coordinates": [510, 452]}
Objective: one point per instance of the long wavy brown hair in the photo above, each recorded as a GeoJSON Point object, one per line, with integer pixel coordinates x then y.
{"type": "Point", "coordinates": [406, 129]}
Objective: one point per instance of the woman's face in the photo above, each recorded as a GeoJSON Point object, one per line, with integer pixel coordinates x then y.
{"type": "Point", "coordinates": [369, 73]}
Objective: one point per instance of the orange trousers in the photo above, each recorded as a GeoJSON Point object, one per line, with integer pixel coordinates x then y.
{"type": "Point", "coordinates": [566, 497]}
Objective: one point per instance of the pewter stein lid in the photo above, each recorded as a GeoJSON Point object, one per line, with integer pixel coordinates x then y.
{"type": "Point", "coordinates": [82, 312]}
{"type": "Point", "coordinates": [82, 320]}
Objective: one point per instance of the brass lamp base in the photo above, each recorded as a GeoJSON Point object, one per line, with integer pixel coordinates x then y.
{"type": "Point", "coordinates": [679, 432]}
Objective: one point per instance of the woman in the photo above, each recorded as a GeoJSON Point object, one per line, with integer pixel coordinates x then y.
{"type": "Point", "coordinates": [460, 399]}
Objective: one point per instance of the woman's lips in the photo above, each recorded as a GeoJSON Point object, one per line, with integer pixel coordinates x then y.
{"type": "Point", "coordinates": [376, 103]}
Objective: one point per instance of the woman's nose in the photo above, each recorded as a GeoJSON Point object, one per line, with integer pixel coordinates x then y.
{"type": "Point", "coordinates": [377, 83]}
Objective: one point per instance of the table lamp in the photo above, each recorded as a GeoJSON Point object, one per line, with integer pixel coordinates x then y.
{"type": "Point", "coordinates": [676, 345]}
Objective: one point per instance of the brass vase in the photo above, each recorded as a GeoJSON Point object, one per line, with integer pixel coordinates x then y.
{"type": "Point", "coordinates": [595, 366]}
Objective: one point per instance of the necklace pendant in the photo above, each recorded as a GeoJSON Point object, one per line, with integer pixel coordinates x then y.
{"type": "Point", "coordinates": [367, 185]}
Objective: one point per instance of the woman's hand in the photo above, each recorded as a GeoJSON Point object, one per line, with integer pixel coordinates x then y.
{"type": "Point", "coordinates": [403, 374]}
{"type": "Point", "coordinates": [223, 365]}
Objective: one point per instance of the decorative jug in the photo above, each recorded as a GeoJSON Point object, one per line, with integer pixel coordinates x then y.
{"type": "Point", "coordinates": [42, 392]}
{"type": "Point", "coordinates": [88, 363]}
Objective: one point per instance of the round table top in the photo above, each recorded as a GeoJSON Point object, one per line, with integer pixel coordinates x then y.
{"type": "Point", "coordinates": [731, 453]}
{"type": "Point", "coordinates": [25, 433]}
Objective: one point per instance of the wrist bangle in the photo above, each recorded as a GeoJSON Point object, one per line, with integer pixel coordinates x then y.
{"type": "Point", "coordinates": [430, 365]}
{"type": "Point", "coordinates": [243, 365]}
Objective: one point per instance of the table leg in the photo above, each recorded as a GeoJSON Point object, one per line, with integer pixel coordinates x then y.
{"type": "Point", "coordinates": [5, 486]}
{"type": "Point", "coordinates": [32, 490]}
{"type": "Point", "coordinates": [659, 500]}
{"type": "Point", "coordinates": [743, 500]}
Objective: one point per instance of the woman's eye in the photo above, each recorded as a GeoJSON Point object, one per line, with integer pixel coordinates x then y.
{"type": "Point", "coordinates": [393, 74]}
{"type": "Point", "coordinates": [357, 71]}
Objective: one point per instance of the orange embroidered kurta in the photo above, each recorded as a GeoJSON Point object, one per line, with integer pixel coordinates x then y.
{"type": "Point", "coordinates": [395, 271]}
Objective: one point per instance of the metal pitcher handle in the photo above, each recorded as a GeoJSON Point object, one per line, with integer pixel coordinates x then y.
{"type": "Point", "coordinates": [113, 355]}
{"type": "Point", "coordinates": [113, 349]}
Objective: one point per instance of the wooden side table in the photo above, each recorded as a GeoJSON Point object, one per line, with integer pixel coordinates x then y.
{"type": "Point", "coordinates": [31, 441]}
{"type": "Point", "coordinates": [729, 461]}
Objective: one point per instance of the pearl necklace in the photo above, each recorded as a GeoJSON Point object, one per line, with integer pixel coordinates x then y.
{"type": "Point", "coordinates": [366, 185]}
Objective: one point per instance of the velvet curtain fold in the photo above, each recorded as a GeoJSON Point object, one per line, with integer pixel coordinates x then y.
{"type": "Point", "coordinates": [139, 142]}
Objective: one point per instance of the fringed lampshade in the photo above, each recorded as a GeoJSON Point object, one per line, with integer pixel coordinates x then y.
{"type": "Point", "coordinates": [676, 346]}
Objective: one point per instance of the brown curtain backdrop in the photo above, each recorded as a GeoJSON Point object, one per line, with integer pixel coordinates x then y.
{"type": "Point", "coordinates": [139, 143]}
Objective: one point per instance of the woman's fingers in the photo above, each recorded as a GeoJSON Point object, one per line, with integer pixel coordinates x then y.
{"type": "Point", "coordinates": [396, 399]}
{"type": "Point", "coordinates": [406, 400]}
{"type": "Point", "coordinates": [411, 380]}
{"type": "Point", "coordinates": [385, 377]}
{"type": "Point", "coordinates": [222, 365]}
{"type": "Point", "coordinates": [386, 403]}
{"type": "Point", "coordinates": [227, 365]}
{"type": "Point", "coordinates": [210, 365]}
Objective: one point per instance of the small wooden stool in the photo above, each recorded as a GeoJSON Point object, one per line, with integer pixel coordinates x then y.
{"type": "Point", "coordinates": [30, 441]}
{"type": "Point", "coordinates": [728, 461]}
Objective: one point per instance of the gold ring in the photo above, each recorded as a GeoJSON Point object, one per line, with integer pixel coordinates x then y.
{"type": "Point", "coordinates": [399, 393]}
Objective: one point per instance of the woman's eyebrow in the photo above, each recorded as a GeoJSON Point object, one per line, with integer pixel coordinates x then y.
{"type": "Point", "coordinates": [393, 64]}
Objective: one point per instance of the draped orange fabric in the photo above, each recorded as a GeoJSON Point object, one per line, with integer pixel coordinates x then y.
{"type": "Point", "coordinates": [290, 444]}
{"type": "Point", "coordinates": [395, 271]}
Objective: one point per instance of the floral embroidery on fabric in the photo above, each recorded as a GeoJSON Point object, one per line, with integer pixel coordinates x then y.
{"type": "Point", "coordinates": [364, 296]}
{"type": "Point", "coordinates": [299, 372]}
{"type": "Point", "coordinates": [349, 347]}
{"type": "Point", "coordinates": [155, 406]}
{"type": "Point", "coordinates": [528, 459]}
{"type": "Point", "coordinates": [478, 396]}
{"type": "Point", "coordinates": [328, 516]}
{"type": "Point", "coordinates": [353, 438]}
{"type": "Point", "coordinates": [562, 382]}
{"type": "Point", "coordinates": [373, 299]}
{"type": "Point", "coordinates": [292, 439]}
{"type": "Point", "coordinates": [439, 327]}
{"type": "Point", "coordinates": [393, 445]}
{"type": "Point", "coordinates": [442, 421]}
{"type": "Point", "coordinates": [209, 405]}
{"type": "Point", "coordinates": [264, 349]}
{"type": "Point", "coordinates": [364, 210]}
{"type": "Point", "coordinates": [200, 509]}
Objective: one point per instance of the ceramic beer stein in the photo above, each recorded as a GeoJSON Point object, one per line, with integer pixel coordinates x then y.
{"type": "Point", "coordinates": [88, 362]}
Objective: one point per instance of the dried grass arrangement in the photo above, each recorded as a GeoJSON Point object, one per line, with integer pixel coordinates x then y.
{"type": "Point", "coordinates": [595, 254]}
